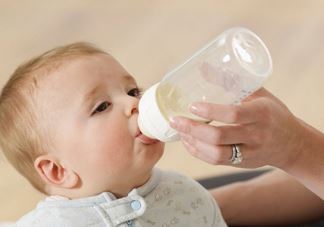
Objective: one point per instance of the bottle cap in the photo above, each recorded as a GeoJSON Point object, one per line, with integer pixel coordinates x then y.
{"type": "Point", "coordinates": [151, 121]}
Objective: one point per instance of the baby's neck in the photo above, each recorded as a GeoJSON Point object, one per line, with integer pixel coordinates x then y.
{"type": "Point", "coordinates": [119, 190]}
{"type": "Point", "coordinates": [123, 190]}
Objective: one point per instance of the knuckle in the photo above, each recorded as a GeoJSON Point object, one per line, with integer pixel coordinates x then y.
{"type": "Point", "coordinates": [208, 112]}
{"type": "Point", "coordinates": [234, 114]}
{"type": "Point", "coordinates": [185, 126]}
{"type": "Point", "coordinates": [195, 152]}
{"type": "Point", "coordinates": [192, 142]}
{"type": "Point", "coordinates": [265, 111]}
{"type": "Point", "coordinates": [217, 155]}
{"type": "Point", "coordinates": [257, 138]}
{"type": "Point", "coordinates": [217, 137]}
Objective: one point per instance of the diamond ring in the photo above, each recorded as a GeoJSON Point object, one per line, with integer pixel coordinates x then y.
{"type": "Point", "coordinates": [237, 156]}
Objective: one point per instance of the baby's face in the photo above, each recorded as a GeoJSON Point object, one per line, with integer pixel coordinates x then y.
{"type": "Point", "coordinates": [92, 106]}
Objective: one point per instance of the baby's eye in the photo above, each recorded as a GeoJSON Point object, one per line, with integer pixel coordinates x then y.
{"type": "Point", "coordinates": [135, 92]}
{"type": "Point", "coordinates": [102, 107]}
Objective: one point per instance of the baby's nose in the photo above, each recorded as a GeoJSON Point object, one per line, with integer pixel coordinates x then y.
{"type": "Point", "coordinates": [132, 106]}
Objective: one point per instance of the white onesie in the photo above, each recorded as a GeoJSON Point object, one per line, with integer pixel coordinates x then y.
{"type": "Point", "coordinates": [168, 199]}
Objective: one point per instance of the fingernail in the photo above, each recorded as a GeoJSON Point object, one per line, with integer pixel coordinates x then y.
{"type": "Point", "coordinates": [188, 140]}
{"type": "Point", "coordinates": [194, 108]}
{"type": "Point", "coordinates": [180, 124]}
{"type": "Point", "coordinates": [173, 122]}
{"type": "Point", "coordinates": [185, 143]}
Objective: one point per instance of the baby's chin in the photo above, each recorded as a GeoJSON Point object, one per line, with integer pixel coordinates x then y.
{"type": "Point", "coordinates": [150, 155]}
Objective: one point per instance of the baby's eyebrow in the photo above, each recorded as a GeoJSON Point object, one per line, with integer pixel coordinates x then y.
{"type": "Point", "coordinates": [90, 94]}
{"type": "Point", "coordinates": [128, 77]}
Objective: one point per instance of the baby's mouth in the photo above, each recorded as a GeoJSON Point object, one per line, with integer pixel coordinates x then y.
{"type": "Point", "coordinates": [144, 139]}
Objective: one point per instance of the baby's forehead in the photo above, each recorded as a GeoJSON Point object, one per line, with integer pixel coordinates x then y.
{"type": "Point", "coordinates": [83, 72]}
{"type": "Point", "coordinates": [68, 67]}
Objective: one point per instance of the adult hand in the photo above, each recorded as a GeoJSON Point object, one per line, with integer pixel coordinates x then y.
{"type": "Point", "coordinates": [263, 127]}
{"type": "Point", "coordinates": [266, 132]}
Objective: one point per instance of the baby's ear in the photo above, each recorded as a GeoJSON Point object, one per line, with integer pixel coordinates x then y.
{"type": "Point", "coordinates": [55, 174]}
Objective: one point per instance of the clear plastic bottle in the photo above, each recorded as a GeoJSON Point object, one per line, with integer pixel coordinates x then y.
{"type": "Point", "coordinates": [225, 71]}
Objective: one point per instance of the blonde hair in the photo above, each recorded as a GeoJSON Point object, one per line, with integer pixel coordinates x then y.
{"type": "Point", "coordinates": [22, 137]}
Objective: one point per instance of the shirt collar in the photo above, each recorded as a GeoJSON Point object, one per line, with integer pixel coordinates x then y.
{"type": "Point", "coordinates": [60, 201]}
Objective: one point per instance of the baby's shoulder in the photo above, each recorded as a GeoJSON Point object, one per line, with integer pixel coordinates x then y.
{"type": "Point", "coordinates": [176, 179]}
{"type": "Point", "coordinates": [36, 217]}
{"type": "Point", "coordinates": [52, 216]}
{"type": "Point", "coordinates": [180, 187]}
{"type": "Point", "coordinates": [180, 199]}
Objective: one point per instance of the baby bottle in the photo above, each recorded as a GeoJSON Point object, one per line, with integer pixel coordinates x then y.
{"type": "Point", "coordinates": [225, 71]}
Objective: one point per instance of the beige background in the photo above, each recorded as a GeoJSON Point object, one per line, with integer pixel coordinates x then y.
{"type": "Point", "coordinates": [151, 37]}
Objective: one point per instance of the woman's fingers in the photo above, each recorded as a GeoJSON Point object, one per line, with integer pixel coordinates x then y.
{"type": "Point", "coordinates": [198, 154]}
{"type": "Point", "coordinates": [214, 135]}
{"type": "Point", "coordinates": [261, 125]}
{"type": "Point", "coordinates": [221, 154]}
{"type": "Point", "coordinates": [206, 152]}
{"type": "Point", "coordinates": [246, 112]}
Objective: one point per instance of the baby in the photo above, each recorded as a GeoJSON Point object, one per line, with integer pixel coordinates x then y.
{"type": "Point", "coordinates": [68, 123]}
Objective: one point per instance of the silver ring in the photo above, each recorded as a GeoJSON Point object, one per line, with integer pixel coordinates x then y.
{"type": "Point", "coordinates": [237, 156]}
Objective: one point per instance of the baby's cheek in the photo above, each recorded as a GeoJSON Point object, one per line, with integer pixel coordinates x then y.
{"type": "Point", "coordinates": [115, 158]}
{"type": "Point", "coordinates": [115, 148]}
